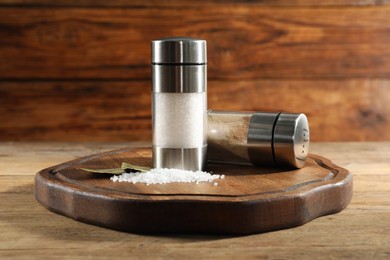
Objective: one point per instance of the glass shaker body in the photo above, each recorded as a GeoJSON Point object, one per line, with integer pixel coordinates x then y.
{"type": "Point", "coordinates": [228, 136]}
{"type": "Point", "coordinates": [179, 103]}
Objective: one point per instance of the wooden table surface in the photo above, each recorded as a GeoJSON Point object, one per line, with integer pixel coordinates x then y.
{"type": "Point", "coordinates": [28, 230]}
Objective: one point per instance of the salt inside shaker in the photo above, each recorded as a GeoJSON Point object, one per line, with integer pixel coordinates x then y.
{"type": "Point", "coordinates": [260, 138]}
{"type": "Point", "coordinates": [179, 105]}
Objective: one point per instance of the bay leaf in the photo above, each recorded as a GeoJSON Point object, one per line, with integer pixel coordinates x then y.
{"type": "Point", "coordinates": [125, 166]}
{"type": "Point", "coordinates": [114, 171]}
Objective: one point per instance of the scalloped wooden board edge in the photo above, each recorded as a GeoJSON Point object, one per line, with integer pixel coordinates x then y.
{"type": "Point", "coordinates": [298, 196]}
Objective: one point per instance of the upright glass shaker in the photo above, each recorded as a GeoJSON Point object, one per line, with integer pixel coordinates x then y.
{"type": "Point", "coordinates": [179, 105]}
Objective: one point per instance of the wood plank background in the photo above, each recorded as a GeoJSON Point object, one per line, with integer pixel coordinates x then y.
{"type": "Point", "coordinates": [80, 70]}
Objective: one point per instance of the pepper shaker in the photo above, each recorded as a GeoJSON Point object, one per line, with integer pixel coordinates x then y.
{"type": "Point", "coordinates": [259, 138]}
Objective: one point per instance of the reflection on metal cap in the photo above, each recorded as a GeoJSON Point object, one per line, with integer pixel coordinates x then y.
{"type": "Point", "coordinates": [179, 50]}
{"type": "Point", "coordinates": [291, 140]}
{"type": "Point", "coordinates": [279, 138]}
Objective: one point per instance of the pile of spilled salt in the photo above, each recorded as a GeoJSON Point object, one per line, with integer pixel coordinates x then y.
{"type": "Point", "coordinates": [162, 176]}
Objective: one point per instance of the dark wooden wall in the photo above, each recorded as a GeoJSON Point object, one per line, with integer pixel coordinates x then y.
{"type": "Point", "coordinates": [80, 70]}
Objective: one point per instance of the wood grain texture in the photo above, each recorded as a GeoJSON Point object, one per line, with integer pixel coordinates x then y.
{"type": "Point", "coordinates": [358, 232]}
{"type": "Point", "coordinates": [337, 109]}
{"type": "Point", "coordinates": [244, 42]}
{"type": "Point", "coordinates": [64, 55]}
{"type": "Point", "coordinates": [176, 3]}
{"type": "Point", "coordinates": [121, 111]}
{"type": "Point", "coordinates": [76, 111]}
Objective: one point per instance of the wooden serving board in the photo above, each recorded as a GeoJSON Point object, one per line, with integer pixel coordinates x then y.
{"type": "Point", "coordinates": [249, 200]}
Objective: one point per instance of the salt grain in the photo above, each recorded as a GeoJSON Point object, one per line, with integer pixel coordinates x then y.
{"type": "Point", "coordinates": [162, 176]}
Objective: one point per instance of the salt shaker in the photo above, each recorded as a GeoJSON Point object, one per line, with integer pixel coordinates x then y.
{"type": "Point", "coordinates": [260, 138]}
{"type": "Point", "coordinates": [179, 103]}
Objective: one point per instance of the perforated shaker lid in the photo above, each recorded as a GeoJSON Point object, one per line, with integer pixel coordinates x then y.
{"type": "Point", "coordinates": [291, 139]}
{"type": "Point", "coordinates": [279, 138]}
{"type": "Point", "coordinates": [179, 50]}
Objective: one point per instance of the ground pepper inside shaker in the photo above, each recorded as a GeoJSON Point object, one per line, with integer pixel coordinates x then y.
{"type": "Point", "coordinates": [260, 138]}
{"type": "Point", "coordinates": [227, 136]}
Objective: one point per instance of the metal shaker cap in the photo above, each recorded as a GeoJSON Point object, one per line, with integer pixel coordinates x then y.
{"type": "Point", "coordinates": [291, 139]}
{"type": "Point", "coordinates": [179, 50]}
{"type": "Point", "coordinates": [278, 138]}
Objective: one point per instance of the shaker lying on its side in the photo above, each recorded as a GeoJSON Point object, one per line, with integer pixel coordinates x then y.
{"type": "Point", "coordinates": [259, 138]}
